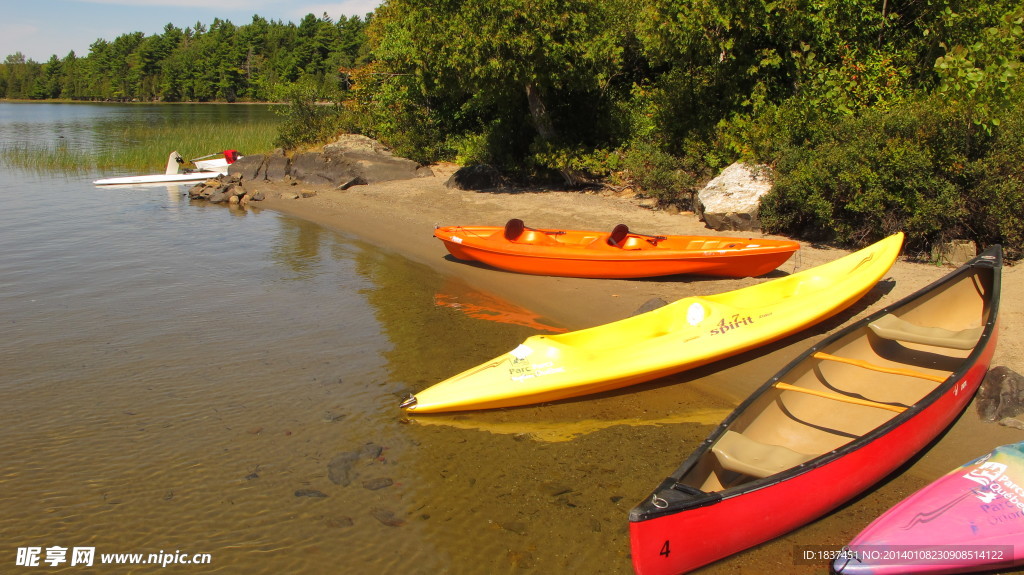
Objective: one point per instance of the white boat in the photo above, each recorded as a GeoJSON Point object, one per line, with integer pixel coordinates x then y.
{"type": "Point", "coordinates": [205, 169]}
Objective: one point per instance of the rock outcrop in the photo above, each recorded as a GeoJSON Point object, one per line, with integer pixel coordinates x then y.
{"type": "Point", "coordinates": [352, 160]}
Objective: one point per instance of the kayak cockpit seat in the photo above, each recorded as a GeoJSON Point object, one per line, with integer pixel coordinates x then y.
{"type": "Point", "coordinates": [618, 236]}
{"type": "Point", "coordinates": [513, 229]}
{"type": "Point", "coordinates": [739, 453]}
{"type": "Point", "coordinates": [621, 237]}
{"type": "Point", "coordinates": [516, 231]}
{"type": "Point", "coordinates": [894, 328]}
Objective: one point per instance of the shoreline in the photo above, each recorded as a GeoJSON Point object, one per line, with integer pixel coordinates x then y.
{"type": "Point", "coordinates": [399, 216]}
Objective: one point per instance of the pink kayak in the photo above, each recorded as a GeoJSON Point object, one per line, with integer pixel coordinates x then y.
{"type": "Point", "coordinates": [971, 519]}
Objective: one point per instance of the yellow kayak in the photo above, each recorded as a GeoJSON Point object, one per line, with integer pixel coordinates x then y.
{"type": "Point", "coordinates": [682, 335]}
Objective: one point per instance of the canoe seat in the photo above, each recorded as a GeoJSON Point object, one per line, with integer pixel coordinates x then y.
{"type": "Point", "coordinates": [737, 452]}
{"type": "Point", "coordinates": [894, 328]}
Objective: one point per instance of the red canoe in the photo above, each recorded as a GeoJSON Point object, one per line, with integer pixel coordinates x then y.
{"type": "Point", "coordinates": [618, 254]}
{"type": "Point", "coordinates": [971, 519]}
{"type": "Point", "coordinates": [828, 426]}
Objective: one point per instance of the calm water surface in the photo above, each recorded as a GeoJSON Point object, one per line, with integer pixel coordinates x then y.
{"type": "Point", "coordinates": [183, 378]}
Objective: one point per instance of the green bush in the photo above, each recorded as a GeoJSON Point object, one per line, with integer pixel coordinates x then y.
{"type": "Point", "coordinates": [304, 120]}
{"type": "Point", "coordinates": [869, 176]}
{"type": "Point", "coordinates": [997, 202]}
{"type": "Point", "coordinates": [657, 173]}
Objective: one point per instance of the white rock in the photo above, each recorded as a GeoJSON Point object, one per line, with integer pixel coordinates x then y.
{"type": "Point", "coordinates": [731, 201]}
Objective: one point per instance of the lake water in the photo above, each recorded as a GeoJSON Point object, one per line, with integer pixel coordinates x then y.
{"type": "Point", "coordinates": [197, 381]}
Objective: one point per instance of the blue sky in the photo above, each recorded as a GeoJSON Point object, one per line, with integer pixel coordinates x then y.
{"type": "Point", "coordinates": [41, 28]}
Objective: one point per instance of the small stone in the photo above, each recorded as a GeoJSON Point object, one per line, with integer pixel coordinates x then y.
{"type": "Point", "coordinates": [378, 483]}
{"type": "Point", "coordinates": [310, 493]}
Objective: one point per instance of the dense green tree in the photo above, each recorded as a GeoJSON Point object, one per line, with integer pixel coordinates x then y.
{"type": "Point", "coordinates": [48, 85]}
{"type": "Point", "coordinates": [527, 72]}
{"type": "Point", "coordinates": [205, 62]}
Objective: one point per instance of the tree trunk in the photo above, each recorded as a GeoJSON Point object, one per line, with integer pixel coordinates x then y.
{"type": "Point", "coordinates": [546, 130]}
{"type": "Point", "coordinates": [539, 114]}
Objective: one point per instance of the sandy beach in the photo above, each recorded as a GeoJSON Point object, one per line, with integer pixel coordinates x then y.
{"type": "Point", "coordinates": [399, 216]}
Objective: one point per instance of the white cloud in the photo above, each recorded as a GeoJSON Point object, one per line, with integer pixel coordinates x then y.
{"type": "Point", "coordinates": [18, 31]}
{"type": "Point", "coordinates": [15, 37]}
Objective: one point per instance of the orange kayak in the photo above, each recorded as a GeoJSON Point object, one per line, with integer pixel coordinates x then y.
{"type": "Point", "coordinates": [616, 254]}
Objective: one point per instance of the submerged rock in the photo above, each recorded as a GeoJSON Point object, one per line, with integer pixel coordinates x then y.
{"type": "Point", "coordinates": [387, 517]}
{"type": "Point", "coordinates": [342, 469]}
{"type": "Point", "coordinates": [339, 470]}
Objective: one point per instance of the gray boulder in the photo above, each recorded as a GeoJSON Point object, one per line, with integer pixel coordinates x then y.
{"type": "Point", "coordinates": [476, 177]}
{"type": "Point", "coordinates": [275, 166]}
{"type": "Point", "coordinates": [248, 168]}
{"type": "Point", "coordinates": [1001, 397]}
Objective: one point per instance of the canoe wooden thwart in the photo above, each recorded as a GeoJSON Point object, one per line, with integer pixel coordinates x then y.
{"type": "Point", "coordinates": [688, 333]}
{"type": "Point", "coordinates": [621, 253]}
{"type": "Point", "coordinates": [829, 425]}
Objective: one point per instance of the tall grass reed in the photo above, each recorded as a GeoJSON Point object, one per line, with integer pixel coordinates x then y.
{"type": "Point", "coordinates": [141, 147]}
